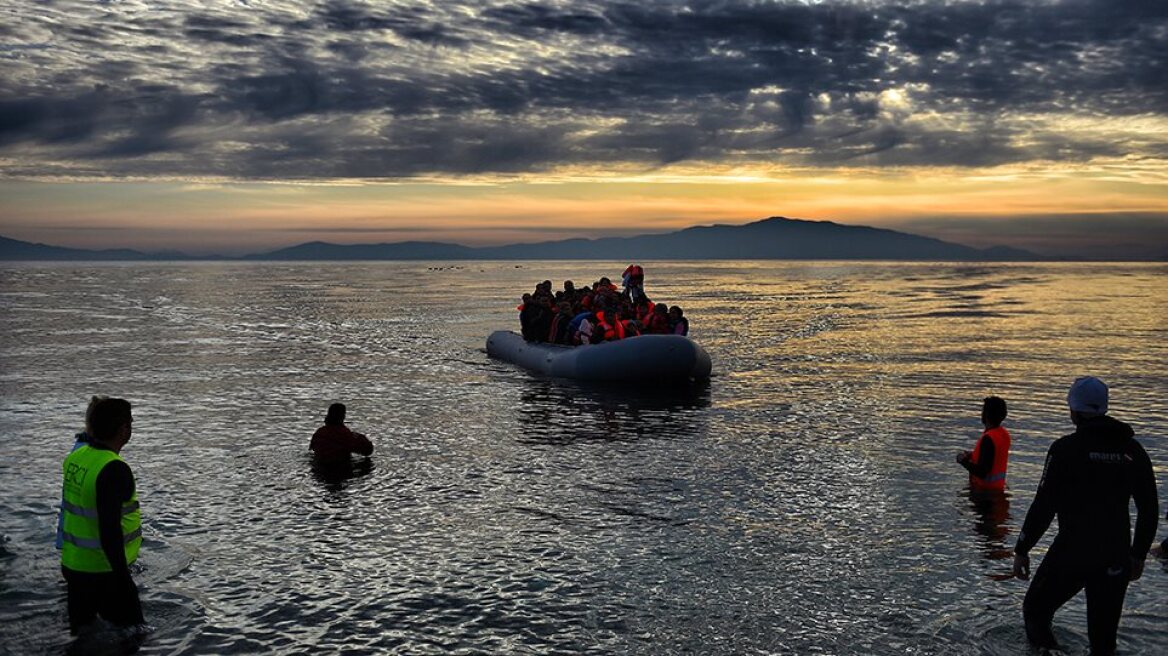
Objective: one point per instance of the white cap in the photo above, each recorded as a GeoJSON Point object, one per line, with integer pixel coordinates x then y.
{"type": "Point", "coordinates": [1088, 394]}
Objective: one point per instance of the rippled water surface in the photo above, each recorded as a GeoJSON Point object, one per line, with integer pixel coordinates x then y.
{"type": "Point", "coordinates": [805, 501]}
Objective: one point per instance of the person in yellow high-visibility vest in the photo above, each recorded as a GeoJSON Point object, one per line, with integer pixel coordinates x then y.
{"type": "Point", "coordinates": [102, 526]}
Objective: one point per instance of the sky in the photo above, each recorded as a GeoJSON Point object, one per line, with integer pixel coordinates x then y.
{"type": "Point", "coordinates": [242, 126]}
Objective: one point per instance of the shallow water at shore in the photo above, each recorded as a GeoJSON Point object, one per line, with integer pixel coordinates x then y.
{"type": "Point", "coordinates": [804, 501]}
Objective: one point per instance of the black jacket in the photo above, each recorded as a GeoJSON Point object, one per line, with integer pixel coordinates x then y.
{"type": "Point", "coordinates": [1089, 479]}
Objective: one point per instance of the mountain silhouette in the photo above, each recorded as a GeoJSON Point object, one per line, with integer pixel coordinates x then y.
{"type": "Point", "coordinates": [403, 250]}
{"type": "Point", "coordinates": [13, 249]}
{"type": "Point", "coordinates": [776, 238]}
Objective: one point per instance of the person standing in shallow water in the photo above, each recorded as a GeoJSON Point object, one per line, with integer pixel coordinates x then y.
{"type": "Point", "coordinates": [102, 525]}
{"type": "Point", "coordinates": [1089, 479]}
{"type": "Point", "coordinates": [333, 443]}
{"type": "Point", "coordinates": [987, 462]}
{"type": "Point", "coordinates": [79, 440]}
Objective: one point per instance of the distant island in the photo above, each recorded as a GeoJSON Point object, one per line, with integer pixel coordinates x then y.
{"type": "Point", "coordinates": [776, 238]}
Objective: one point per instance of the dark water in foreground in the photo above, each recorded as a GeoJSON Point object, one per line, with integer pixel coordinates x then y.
{"type": "Point", "coordinates": [804, 502]}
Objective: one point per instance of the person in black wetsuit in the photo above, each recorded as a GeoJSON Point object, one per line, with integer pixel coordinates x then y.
{"type": "Point", "coordinates": [1089, 478]}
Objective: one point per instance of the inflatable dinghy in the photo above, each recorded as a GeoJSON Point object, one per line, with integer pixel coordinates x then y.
{"type": "Point", "coordinates": [643, 358]}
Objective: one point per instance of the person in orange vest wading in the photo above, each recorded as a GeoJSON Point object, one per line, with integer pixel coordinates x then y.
{"type": "Point", "coordinates": [987, 462]}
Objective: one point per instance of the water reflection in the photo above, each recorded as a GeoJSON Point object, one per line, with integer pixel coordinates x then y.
{"type": "Point", "coordinates": [991, 515]}
{"type": "Point", "coordinates": [106, 641]}
{"type": "Point", "coordinates": [564, 412]}
{"type": "Point", "coordinates": [334, 477]}
{"type": "Point", "coordinates": [777, 511]}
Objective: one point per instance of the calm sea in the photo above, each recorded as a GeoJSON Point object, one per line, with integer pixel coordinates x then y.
{"type": "Point", "coordinates": [805, 501]}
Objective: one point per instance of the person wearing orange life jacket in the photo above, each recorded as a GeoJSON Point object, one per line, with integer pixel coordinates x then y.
{"type": "Point", "coordinates": [642, 309]}
{"type": "Point", "coordinates": [633, 280]}
{"type": "Point", "coordinates": [604, 292]}
{"type": "Point", "coordinates": [657, 323]}
{"type": "Point", "coordinates": [610, 324]}
{"type": "Point", "coordinates": [987, 462]}
{"type": "Point", "coordinates": [633, 275]}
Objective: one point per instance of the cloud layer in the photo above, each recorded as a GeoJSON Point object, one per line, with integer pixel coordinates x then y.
{"type": "Point", "coordinates": [344, 89]}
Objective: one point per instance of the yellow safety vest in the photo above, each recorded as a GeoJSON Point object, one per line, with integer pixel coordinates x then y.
{"type": "Point", "coordinates": [81, 550]}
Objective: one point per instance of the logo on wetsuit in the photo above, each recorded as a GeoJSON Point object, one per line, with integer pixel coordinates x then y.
{"type": "Point", "coordinates": [1109, 458]}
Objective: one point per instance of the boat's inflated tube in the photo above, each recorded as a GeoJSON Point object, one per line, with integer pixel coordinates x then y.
{"type": "Point", "coordinates": [647, 357]}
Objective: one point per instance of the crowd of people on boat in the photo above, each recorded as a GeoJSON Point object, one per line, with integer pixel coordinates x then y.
{"type": "Point", "coordinates": [598, 312]}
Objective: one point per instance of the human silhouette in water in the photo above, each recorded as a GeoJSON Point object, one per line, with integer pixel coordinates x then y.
{"type": "Point", "coordinates": [334, 443]}
{"type": "Point", "coordinates": [1090, 478]}
{"type": "Point", "coordinates": [102, 526]}
{"type": "Point", "coordinates": [991, 525]}
{"type": "Point", "coordinates": [986, 465]}
{"type": "Point", "coordinates": [987, 462]}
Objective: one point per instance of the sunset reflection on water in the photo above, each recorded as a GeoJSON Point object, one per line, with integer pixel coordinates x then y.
{"type": "Point", "coordinates": [804, 501]}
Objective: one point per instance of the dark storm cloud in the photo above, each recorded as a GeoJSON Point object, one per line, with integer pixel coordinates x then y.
{"type": "Point", "coordinates": [51, 120]}
{"type": "Point", "coordinates": [414, 23]}
{"type": "Point", "coordinates": [408, 148]}
{"type": "Point", "coordinates": [227, 31]}
{"type": "Point", "coordinates": [369, 90]}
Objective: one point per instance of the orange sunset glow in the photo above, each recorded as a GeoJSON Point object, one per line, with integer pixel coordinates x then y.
{"type": "Point", "coordinates": [248, 129]}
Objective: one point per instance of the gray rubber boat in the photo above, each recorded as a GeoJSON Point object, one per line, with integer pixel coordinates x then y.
{"type": "Point", "coordinates": [643, 358]}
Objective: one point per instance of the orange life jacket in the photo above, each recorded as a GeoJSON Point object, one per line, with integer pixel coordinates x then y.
{"type": "Point", "coordinates": [996, 479]}
{"type": "Point", "coordinates": [655, 324]}
{"type": "Point", "coordinates": [643, 317]}
{"type": "Point", "coordinates": [613, 329]}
